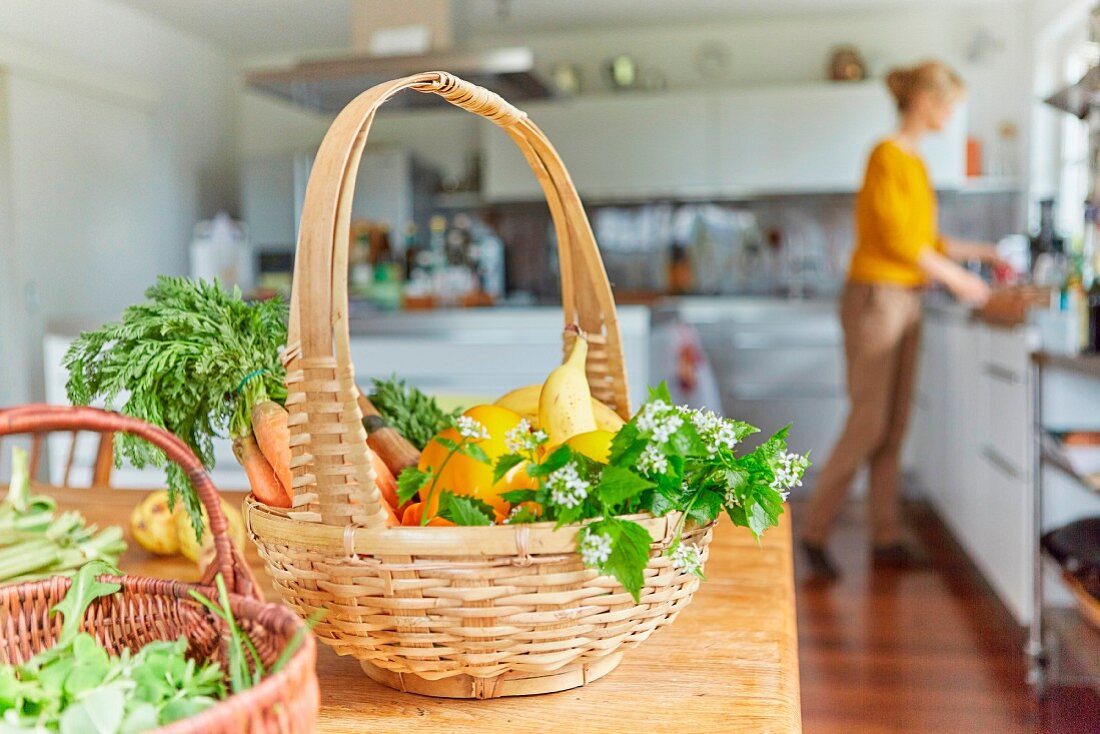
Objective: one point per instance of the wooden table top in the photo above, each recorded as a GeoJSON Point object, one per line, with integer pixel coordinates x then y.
{"type": "Point", "coordinates": [729, 663]}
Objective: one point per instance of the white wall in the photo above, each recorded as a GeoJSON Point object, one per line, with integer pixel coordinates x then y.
{"type": "Point", "coordinates": [65, 61]}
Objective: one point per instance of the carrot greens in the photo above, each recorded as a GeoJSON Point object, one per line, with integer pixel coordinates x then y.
{"type": "Point", "coordinates": [193, 358]}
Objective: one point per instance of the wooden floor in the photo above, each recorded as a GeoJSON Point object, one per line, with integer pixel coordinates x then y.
{"type": "Point", "coordinates": [918, 651]}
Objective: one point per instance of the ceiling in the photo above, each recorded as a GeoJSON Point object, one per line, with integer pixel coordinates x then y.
{"type": "Point", "coordinates": [261, 27]}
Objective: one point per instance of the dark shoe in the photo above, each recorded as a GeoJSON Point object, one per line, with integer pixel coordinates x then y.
{"type": "Point", "coordinates": [899, 555]}
{"type": "Point", "coordinates": [821, 566]}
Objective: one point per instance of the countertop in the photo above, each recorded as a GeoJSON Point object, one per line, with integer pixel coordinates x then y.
{"type": "Point", "coordinates": [729, 663]}
{"type": "Point", "coordinates": [1086, 364]}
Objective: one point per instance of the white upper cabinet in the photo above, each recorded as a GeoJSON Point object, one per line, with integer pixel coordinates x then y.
{"type": "Point", "coordinates": [816, 138]}
{"type": "Point", "coordinates": [724, 143]}
{"type": "Point", "coordinates": [625, 146]}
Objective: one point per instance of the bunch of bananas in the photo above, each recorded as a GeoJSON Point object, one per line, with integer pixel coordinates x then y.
{"type": "Point", "coordinates": [564, 408]}
{"type": "Point", "coordinates": [167, 532]}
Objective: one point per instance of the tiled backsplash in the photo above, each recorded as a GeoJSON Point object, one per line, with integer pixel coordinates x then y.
{"type": "Point", "coordinates": [779, 245]}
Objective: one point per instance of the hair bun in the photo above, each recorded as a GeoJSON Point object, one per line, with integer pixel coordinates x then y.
{"type": "Point", "coordinates": [899, 81]}
{"type": "Point", "coordinates": [906, 82]}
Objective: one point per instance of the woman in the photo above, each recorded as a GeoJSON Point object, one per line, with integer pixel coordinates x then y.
{"type": "Point", "coordinates": [897, 252]}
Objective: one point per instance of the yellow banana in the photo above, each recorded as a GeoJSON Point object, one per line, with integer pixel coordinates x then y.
{"type": "Point", "coordinates": [565, 402]}
{"type": "Point", "coordinates": [525, 401]}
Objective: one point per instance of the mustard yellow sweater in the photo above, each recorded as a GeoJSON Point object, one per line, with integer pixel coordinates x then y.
{"type": "Point", "coordinates": [895, 215]}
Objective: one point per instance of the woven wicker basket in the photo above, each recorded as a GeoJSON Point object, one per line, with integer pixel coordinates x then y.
{"type": "Point", "coordinates": [148, 609]}
{"type": "Point", "coordinates": [458, 612]}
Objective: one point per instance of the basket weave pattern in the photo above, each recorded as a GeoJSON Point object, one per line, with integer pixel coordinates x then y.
{"type": "Point", "coordinates": [467, 612]}
{"type": "Point", "coordinates": [147, 609]}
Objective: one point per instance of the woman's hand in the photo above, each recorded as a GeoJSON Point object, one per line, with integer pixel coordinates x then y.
{"type": "Point", "coordinates": [970, 289]}
{"type": "Point", "coordinates": [963, 284]}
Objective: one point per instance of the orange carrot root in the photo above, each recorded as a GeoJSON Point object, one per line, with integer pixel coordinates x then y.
{"type": "Point", "coordinates": [269, 425]}
{"type": "Point", "coordinates": [261, 477]}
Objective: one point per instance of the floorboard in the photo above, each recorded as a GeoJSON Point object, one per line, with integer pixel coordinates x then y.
{"type": "Point", "coordinates": [934, 650]}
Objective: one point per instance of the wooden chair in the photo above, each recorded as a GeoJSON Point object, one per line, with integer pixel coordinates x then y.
{"type": "Point", "coordinates": [101, 468]}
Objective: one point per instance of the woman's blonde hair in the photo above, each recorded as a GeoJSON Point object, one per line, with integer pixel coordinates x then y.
{"type": "Point", "coordinates": [906, 82]}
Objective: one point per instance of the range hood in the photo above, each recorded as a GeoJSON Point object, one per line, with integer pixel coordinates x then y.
{"type": "Point", "coordinates": [328, 85]}
{"type": "Point", "coordinates": [1078, 99]}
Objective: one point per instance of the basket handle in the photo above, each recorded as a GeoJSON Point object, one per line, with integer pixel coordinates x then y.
{"type": "Point", "coordinates": [44, 418]}
{"type": "Point", "coordinates": [333, 477]}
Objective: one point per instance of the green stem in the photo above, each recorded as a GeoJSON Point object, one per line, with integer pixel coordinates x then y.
{"type": "Point", "coordinates": [435, 479]}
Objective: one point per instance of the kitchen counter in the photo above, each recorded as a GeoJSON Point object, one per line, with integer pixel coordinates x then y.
{"type": "Point", "coordinates": [729, 662]}
{"type": "Point", "coordinates": [1085, 364]}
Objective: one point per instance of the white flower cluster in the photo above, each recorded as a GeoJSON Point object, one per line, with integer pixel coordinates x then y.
{"type": "Point", "coordinates": [788, 472]}
{"type": "Point", "coordinates": [652, 461]}
{"type": "Point", "coordinates": [716, 432]}
{"type": "Point", "coordinates": [595, 548]}
{"type": "Point", "coordinates": [687, 557]}
{"type": "Point", "coordinates": [470, 428]}
{"type": "Point", "coordinates": [659, 420]}
{"type": "Point", "coordinates": [521, 440]}
{"type": "Point", "coordinates": [566, 486]}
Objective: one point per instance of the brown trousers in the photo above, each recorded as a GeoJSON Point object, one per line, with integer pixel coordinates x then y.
{"type": "Point", "coordinates": [882, 326]}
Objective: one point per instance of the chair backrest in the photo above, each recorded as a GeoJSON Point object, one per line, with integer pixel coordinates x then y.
{"type": "Point", "coordinates": [102, 465]}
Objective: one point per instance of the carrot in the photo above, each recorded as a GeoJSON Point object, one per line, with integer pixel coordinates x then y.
{"type": "Point", "coordinates": [413, 514]}
{"type": "Point", "coordinates": [383, 478]}
{"type": "Point", "coordinates": [261, 477]}
{"type": "Point", "coordinates": [269, 425]}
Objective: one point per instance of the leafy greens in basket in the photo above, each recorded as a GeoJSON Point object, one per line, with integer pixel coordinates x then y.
{"type": "Point", "coordinates": [194, 359]}
{"type": "Point", "coordinates": [665, 459]}
{"type": "Point", "coordinates": [77, 687]}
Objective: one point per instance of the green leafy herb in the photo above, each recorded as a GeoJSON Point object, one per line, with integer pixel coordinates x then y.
{"type": "Point", "coordinates": [413, 414]}
{"type": "Point", "coordinates": [76, 687]}
{"type": "Point", "coordinates": [194, 359]}
{"type": "Point", "coordinates": [665, 459]}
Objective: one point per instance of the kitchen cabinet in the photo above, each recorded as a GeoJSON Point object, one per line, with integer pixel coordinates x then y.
{"type": "Point", "coordinates": [777, 362]}
{"type": "Point", "coordinates": [621, 147]}
{"type": "Point", "coordinates": [969, 451]}
{"type": "Point", "coordinates": [725, 143]}
{"type": "Point", "coordinates": [811, 138]}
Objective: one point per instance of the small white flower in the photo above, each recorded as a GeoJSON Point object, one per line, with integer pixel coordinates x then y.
{"type": "Point", "coordinates": [521, 440]}
{"type": "Point", "coordinates": [470, 428]}
{"type": "Point", "coordinates": [566, 486]}
{"type": "Point", "coordinates": [732, 500]}
{"type": "Point", "coordinates": [653, 460]}
{"type": "Point", "coordinates": [788, 471]}
{"type": "Point", "coordinates": [595, 548]}
{"type": "Point", "coordinates": [687, 557]}
{"type": "Point", "coordinates": [659, 420]}
{"type": "Point", "coordinates": [715, 432]}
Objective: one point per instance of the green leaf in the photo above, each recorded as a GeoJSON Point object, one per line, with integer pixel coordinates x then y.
{"type": "Point", "coordinates": [758, 520]}
{"type": "Point", "coordinates": [618, 485]}
{"type": "Point", "coordinates": [464, 510]}
{"type": "Point", "coordinates": [660, 393]}
{"type": "Point", "coordinates": [140, 718]}
{"type": "Point", "coordinates": [630, 544]}
{"type": "Point", "coordinates": [410, 481]}
{"type": "Point", "coordinates": [706, 506]}
{"type": "Point", "coordinates": [522, 515]}
{"type": "Point", "coordinates": [504, 465]}
{"type": "Point", "coordinates": [85, 589]}
{"type": "Point", "coordinates": [518, 496]}
{"type": "Point", "coordinates": [447, 443]}
{"type": "Point", "coordinates": [556, 460]}
{"type": "Point", "coordinates": [97, 712]}
{"type": "Point", "coordinates": [626, 447]}
{"type": "Point", "coordinates": [476, 453]}
{"type": "Point", "coordinates": [184, 708]}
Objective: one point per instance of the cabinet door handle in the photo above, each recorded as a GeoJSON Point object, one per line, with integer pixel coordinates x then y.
{"type": "Point", "coordinates": [998, 372]}
{"type": "Point", "coordinates": [1000, 463]}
